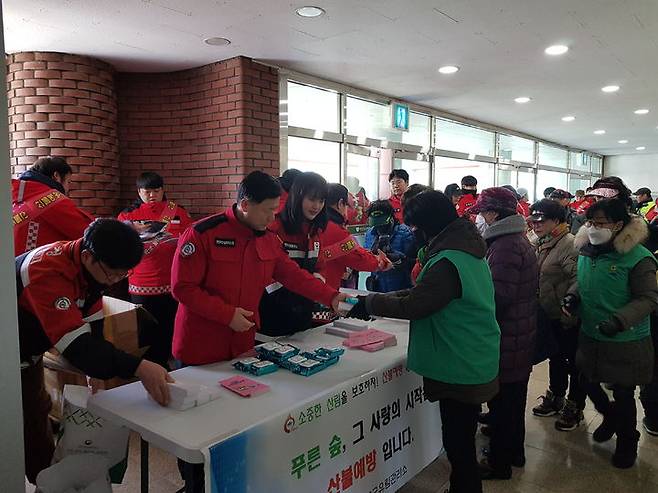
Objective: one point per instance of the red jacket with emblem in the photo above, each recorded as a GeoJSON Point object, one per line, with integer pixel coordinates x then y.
{"type": "Point", "coordinates": [221, 264]}
{"type": "Point", "coordinates": [339, 250]}
{"type": "Point", "coordinates": [57, 307]}
{"type": "Point", "coordinates": [398, 210]}
{"type": "Point", "coordinates": [167, 211]}
{"type": "Point", "coordinates": [43, 214]}
{"type": "Point", "coordinates": [152, 276]}
{"type": "Point", "coordinates": [466, 202]}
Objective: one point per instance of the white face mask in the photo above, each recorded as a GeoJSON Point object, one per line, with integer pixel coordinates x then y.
{"type": "Point", "coordinates": [599, 236]}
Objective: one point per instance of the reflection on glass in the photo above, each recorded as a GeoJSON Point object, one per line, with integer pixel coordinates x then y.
{"type": "Point", "coordinates": [552, 156]}
{"type": "Point", "coordinates": [515, 148]}
{"type": "Point", "coordinates": [319, 156]}
{"type": "Point", "coordinates": [451, 136]}
{"type": "Point", "coordinates": [449, 170]}
{"type": "Point", "coordinates": [578, 161]}
{"type": "Point", "coordinates": [363, 172]}
{"type": "Point", "coordinates": [419, 171]}
{"type": "Point", "coordinates": [309, 107]}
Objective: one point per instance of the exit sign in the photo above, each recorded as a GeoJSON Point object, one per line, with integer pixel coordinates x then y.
{"type": "Point", "coordinates": [400, 116]}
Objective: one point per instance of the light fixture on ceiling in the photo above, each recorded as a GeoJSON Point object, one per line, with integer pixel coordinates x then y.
{"type": "Point", "coordinates": [310, 11]}
{"type": "Point", "coordinates": [217, 41]}
{"type": "Point", "coordinates": [522, 100]}
{"type": "Point", "coordinates": [611, 88]}
{"type": "Point", "coordinates": [556, 50]}
{"type": "Point", "coordinates": [599, 132]}
{"type": "Point", "coordinates": [623, 141]}
{"type": "Point", "coordinates": [448, 69]}
{"type": "Point", "coordinates": [568, 118]}
{"type": "Point", "coordinates": [641, 111]}
{"type": "Point", "coordinates": [640, 148]}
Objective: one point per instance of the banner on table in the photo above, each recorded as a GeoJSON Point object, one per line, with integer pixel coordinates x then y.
{"type": "Point", "coordinates": [371, 435]}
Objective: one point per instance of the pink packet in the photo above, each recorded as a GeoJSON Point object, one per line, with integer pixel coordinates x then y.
{"type": "Point", "coordinates": [370, 336]}
{"type": "Point", "coordinates": [243, 386]}
{"type": "Point", "coordinates": [371, 348]}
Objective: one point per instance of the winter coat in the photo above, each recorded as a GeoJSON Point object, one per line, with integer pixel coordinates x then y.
{"type": "Point", "coordinates": [557, 258]}
{"type": "Point", "coordinates": [625, 359]}
{"type": "Point", "coordinates": [515, 273]}
{"type": "Point", "coordinates": [402, 245]}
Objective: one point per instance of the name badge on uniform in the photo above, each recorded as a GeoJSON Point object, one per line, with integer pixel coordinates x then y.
{"type": "Point", "coordinates": [224, 243]}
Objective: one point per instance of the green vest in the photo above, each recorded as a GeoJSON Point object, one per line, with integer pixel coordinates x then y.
{"type": "Point", "coordinates": [459, 344]}
{"type": "Point", "coordinates": [604, 288]}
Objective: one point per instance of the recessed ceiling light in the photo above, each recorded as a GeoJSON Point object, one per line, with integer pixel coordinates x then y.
{"type": "Point", "coordinates": [623, 141]}
{"type": "Point", "coordinates": [217, 41]}
{"type": "Point", "coordinates": [568, 118]}
{"type": "Point", "coordinates": [642, 111]}
{"type": "Point", "coordinates": [556, 50]}
{"type": "Point", "coordinates": [599, 132]}
{"type": "Point", "coordinates": [523, 99]}
{"type": "Point", "coordinates": [610, 88]}
{"type": "Point", "coordinates": [448, 69]}
{"type": "Point", "coordinates": [310, 11]}
{"type": "Point", "coordinates": [641, 148]}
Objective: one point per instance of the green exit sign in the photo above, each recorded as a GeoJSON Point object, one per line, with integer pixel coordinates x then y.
{"type": "Point", "coordinates": [400, 116]}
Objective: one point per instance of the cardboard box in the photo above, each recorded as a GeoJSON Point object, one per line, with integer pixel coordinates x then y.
{"type": "Point", "coordinates": [122, 326]}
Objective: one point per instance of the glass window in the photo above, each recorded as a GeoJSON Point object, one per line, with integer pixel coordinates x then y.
{"type": "Point", "coordinates": [578, 162]}
{"type": "Point", "coordinates": [527, 180]}
{"type": "Point", "coordinates": [506, 176]}
{"type": "Point", "coordinates": [449, 170]}
{"type": "Point", "coordinates": [552, 156]}
{"type": "Point", "coordinates": [516, 148]}
{"type": "Point", "coordinates": [367, 119]}
{"type": "Point", "coordinates": [578, 183]}
{"type": "Point", "coordinates": [597, 165]}
{"type": "Point", "coordinates": [419, 131]}
{"type": "Point", "coordinates": [419, 171]}
{"type": "Point", "coordinates": [452, 136]}
{"type": "Point", "coordinates": [309, 107]}
{"type": "Point", "coordinates": [319, 156]}
{"type": "Point", "coordinates": [547, 179]}
{"type": "Point", "coordinates": [363, 172]}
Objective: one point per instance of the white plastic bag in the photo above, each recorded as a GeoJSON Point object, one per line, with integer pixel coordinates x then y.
{"type": "Point", "coordinates": [86, 434]}
{"type": "Point", "coordinates": [76, 474]}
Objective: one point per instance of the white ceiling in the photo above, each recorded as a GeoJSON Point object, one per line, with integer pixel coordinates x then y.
{"type": "Point", "coordinates": [394, 47]}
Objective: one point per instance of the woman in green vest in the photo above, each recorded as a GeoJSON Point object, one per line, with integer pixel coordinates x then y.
{"type": "Point", "coordinates": [616, 292]}
{"type": "Point", "coordinates": [454, 340]}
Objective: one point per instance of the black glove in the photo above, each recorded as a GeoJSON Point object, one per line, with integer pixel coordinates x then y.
{"type": "Point", "coordinates": [570, 303]}
{"type": "Point", "coordinates": [395, 257]}
{"type": "Point", "coordinates": [610, 327]}
{"type": "Point", "coordinates": [359, 310]}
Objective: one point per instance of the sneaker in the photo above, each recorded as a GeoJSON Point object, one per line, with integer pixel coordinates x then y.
{"type": "Point", "coordinates": [607, 428]}
{"type": "Point", "coordinates": [551, 404]}
{"type": "Point", "coordinates": [570, 417]}
{"type": "Point", "coordinates": [650, 426]}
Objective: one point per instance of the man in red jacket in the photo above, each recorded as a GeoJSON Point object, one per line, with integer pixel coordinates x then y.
{"type": "Point", "coordinates": [221, 267]}
{"type": "Point", "coordinates": [398, 179]}
{"type": "Point", "coordinates": [41, 211]}
{"type": "Point", "coordinates": [470, 189]}
{"type": "Point", "coordinates": [339, 250]}
{"type": "Point", "coordinates": [152, 206]}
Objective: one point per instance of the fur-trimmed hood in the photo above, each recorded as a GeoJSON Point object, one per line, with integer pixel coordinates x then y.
{"type": "Point", "coordinates": [634, 233]}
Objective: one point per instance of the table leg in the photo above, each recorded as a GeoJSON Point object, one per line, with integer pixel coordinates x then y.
{"type": "Point", "coordinates": [144, 466]}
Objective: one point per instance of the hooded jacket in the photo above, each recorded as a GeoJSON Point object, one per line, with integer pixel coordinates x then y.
{"type": "Point", "coordinates": [626, 270]}
{"type": "Point", "coordinates": [515, 274]}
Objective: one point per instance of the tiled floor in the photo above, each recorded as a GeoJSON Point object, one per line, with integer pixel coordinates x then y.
{"type": "Point", "coordinates": [556, 462]}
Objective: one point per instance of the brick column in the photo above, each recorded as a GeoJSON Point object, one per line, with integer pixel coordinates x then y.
{"type": "Point", "coordinates": [65, 105]}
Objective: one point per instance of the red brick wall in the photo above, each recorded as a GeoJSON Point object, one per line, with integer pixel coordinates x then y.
{"type": "Point", "coordinates": [202, 129]}
{"type": "Point", "coordinates": [65, 105]}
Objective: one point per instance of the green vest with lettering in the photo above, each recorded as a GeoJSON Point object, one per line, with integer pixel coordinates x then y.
{"type": "Point", "coordinates": [604, 288]}
{"type": "Point", "coordinates": [459, 344]}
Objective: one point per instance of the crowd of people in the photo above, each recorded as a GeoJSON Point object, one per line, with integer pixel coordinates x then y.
{"type": "Point", "coordinates": [491, 284]}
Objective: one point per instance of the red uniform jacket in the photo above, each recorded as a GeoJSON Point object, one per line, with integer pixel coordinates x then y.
{"type": "Point", "coordinates": [152, 276]}
{"type": "Point", "coordinates": [466, 202]}
{"type": "Point", "coordinates": [177, 218]}
{"type": "Point", "coordinates": [339, 250]}
{"type": "Point", "coordinates": [523, 208]}
{"type": "Point", "coordinates": [359, 204]}
{"type": "Point", "coordinates": [398, 210]}
{"type": "Point", "coordinates": [221, 264]}
{"type": "Point", "coordinates": [43, 214]}
{"type": "Point", "coordinates": [282, 201]}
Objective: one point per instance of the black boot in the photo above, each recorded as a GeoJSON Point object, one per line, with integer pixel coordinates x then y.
{"type": "Point", "coordinates": [607, 429]}
{"type": "Point", "coordinates": [626, 451]}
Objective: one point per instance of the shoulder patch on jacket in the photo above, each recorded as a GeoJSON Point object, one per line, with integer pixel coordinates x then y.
{"type": "Point", "coordinates": [210, 223]}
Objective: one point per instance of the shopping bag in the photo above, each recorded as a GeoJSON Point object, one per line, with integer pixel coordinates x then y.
{"type": "Point", "coordinates": [83, 433]}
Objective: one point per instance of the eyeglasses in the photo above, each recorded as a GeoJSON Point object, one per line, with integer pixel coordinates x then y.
{"type": "Point", "coordinates": [597, 224]}
{"type": "Point", "coordinates": [114, 278]}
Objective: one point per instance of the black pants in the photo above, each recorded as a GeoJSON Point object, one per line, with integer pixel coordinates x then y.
{"type": "Point", "coordinates": [163, 307]}
{"type": "Point", "coordinates": [562, 370]}
{"type": "Point", "coordinates": [624, 413]}
{"type": "Point", "coordinates": [649, 393]}
{"type": "Point", "coordinates": [507, 412]}
{"type": "Point", "coordinates": [458, 427]}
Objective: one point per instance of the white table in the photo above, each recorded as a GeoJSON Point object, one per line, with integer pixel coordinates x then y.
{"type": "Point", "coordinates": [186, 434]}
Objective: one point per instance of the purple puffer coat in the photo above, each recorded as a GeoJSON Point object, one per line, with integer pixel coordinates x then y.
{"type": "Point", "coordinates": [515, 273]}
